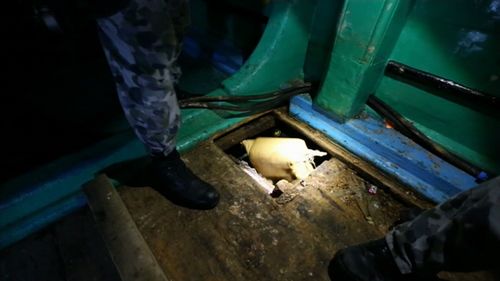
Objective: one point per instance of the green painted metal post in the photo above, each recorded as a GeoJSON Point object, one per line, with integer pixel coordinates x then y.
{"type": "Point", "coordinates": [367, 32]}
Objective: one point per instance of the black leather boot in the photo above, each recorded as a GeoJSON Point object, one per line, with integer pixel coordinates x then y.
{"type": "Point", "coordinates": [371, 261]}
{"type": "Point", "coordinates": [179, 185]}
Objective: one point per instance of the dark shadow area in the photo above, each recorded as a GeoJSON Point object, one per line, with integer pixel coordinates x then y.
{"type": "Point", "coordinates": [133, 173]}
{"type": "Point", "coordinates": [323, 33]}
{"type": "Point", "coordinates": [59, 96]}
{"type": "Point", "coordinates": [70, 249]}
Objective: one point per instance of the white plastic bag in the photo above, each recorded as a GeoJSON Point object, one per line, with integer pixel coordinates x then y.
{"type": "Point", "coordinates": [281, 158]}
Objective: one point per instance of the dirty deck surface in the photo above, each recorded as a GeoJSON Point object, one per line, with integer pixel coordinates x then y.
{"type": "Point", "coordinates": [68, 250]}
{"type": "Point", "coordinates": [252, 236]}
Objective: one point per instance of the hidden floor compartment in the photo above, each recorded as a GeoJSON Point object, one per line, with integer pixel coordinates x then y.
{"type": "Point", "coordinates": [269, 125]}
{"type": "Point", "coordinates": [332, 179]}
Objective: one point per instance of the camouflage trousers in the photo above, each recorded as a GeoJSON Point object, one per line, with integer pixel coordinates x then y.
{"type": "Point", "coordinates": [142, 43]}
{"type": "Point", "coordinates": [461, 234]}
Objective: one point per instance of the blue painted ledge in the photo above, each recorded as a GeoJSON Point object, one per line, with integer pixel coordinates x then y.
{"type": "Point", "coordinates": [389, 151]}
{"type": "Point", "coordinates": [32, 201]}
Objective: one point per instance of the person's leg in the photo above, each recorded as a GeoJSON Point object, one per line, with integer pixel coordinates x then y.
{"type": "Point", "coordinates": [461, 234]}
{"type": "Point", "coordinates": [142, 46]}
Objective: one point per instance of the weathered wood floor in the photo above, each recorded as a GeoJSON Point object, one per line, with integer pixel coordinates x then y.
{"type": "Point", "coordinates": [69, 250]}
{"type": "Point", "coordinates": [249, 236]}
{"type": "Point", "coordinates": [252, 236]}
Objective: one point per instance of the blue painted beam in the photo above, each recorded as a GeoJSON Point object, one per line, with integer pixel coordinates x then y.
{"type": "Point", "coordinates": [38, 220]}
{"type": "Point", "coordinates": [44, 195]}
{"type": "Point", "coordinates": [389, 151]}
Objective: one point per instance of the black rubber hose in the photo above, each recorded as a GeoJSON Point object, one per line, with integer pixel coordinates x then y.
{"type": "Point", "coordinates": [246, 98]}
{"type": "Point", "coordinates": [207, 105]}
{"type": "Point", "coordinates": [439, 85]}
{"type": "Point", "coordinates": [283, 96]}
{"type": "Point", "coordinates": [406, 128]}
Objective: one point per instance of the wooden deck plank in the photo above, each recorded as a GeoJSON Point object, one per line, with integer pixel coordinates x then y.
{"type": "Point", "coordinates": [70, 250]}
{"type": "Point", "coordinates": [130, 253]}
{"type": "Point", "coordinates": [82, 249]}
{"type": "Point", "coordinates": [35, 258]}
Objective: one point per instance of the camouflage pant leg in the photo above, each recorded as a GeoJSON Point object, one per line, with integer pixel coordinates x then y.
{"type": "Point", "coordinates": [141, 43]}
{"type": "Point", "coordinates": [461, 234]}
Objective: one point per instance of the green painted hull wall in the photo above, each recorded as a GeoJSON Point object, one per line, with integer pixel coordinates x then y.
{"type": "Point", "coordinates": [277, 60]}
{"type": "Point", "coordinates": [455, 39]}
{"type": "Point", "coordinates": [458, 40]}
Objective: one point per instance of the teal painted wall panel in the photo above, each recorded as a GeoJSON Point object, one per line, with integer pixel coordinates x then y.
{"type": "Point", "coordinates": [323, 31]}
{"type": "Point", "coordinates": [461, 43]}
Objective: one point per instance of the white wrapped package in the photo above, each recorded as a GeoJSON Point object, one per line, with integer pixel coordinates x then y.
{"type": "Point", "coordinates": [281, 158]}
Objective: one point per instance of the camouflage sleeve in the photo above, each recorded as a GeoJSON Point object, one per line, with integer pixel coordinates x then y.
{"type": "Point", "coordinates": [142, 43]}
